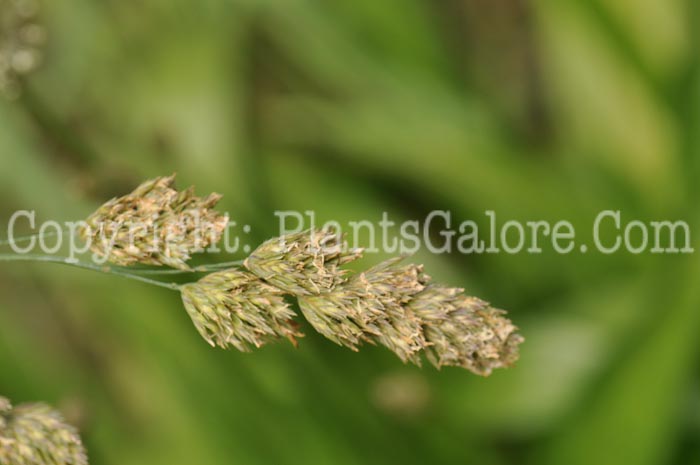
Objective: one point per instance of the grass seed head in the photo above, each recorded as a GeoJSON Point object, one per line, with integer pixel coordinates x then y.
{"type": "Point", "coordinates": [236, 308]}
{"type": "Point", "coordinates": [338, 316]}
{"type": "Point", "coordinates": [155, 225]}
{"type": "Point", "coordinates": [465, 331]}
{"type": "Point", "coordinates": [35, 434]}
{"type": "Point", "coordinates": [386, 289]}
{"type": "Point", "coordinates": [305, 263]}
{"type": "Point", "coordinates": [370, 307]}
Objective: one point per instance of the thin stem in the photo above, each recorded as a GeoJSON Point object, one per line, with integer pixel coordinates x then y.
{"type": "Point", "coordinates": [196, 269]}
{"type": "Point", "coordinates": [87, 266]}
{"type": "Point", "coordinates": [19, 240]}
{"type": "Point", "coordinates": [222, 265]}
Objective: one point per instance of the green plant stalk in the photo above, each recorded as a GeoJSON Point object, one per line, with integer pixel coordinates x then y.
{"type": "Point", "coordinates": [196, 269]}
{"type": "Point", "coordinates": [87, 266]}
{"type": "Point", "coordinates": [19, 240]}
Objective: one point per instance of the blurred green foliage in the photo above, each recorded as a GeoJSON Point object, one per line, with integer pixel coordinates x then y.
{"type": "Point", "coordinates": [535, 109]}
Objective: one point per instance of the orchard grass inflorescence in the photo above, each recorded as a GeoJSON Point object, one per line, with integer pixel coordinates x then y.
{"type": "Point", "coordinates": [392, 304]}
{"type": "Point", "coordinates": [154, 225]}
{"type": "Point", "coordinates": [246, 304]}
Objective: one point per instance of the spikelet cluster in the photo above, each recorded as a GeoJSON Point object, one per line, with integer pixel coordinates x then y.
{"type": "Point", "coordinates": [464, 331]}
{"type": "Point", "coordinates": [21, 41]}
{"type": "Point", "coordinates": [370, 307]}
{"type": "Point", "coordinates": [236, 308]}
{"type": "Point", "coordinates": [304, 263]}
{"type": "Point", "coordinates": [35, 434]}
{"type": "Point", "coordinates": [391, 304]}
{"type": "Point", "coordinates": [154, 225]}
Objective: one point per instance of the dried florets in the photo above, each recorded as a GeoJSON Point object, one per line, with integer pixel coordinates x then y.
{"type": "Point", "coordinates": [387, 288]}
{"type": "Point", "coordinates": [390, 304]}
{"type": "Point", "coordinates": [154, 225]}
{"type": "Point", "coordinates": [370, 307]}
{"type": "Point", "coordinates": [236, 308]}
{"type": "Point", "coordinates": [465, 331]}
{"type": "Point", "coordinates": [339, 316]}
{"type": "Point", "coordinates": [304, 263]}
{"type": "Point", "coordinates": [35, 434]}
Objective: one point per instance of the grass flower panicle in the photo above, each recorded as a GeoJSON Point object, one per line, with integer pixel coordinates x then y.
{"type": "Point", "coordinates": [368, 308]}
{"type": "Point", "coordinates": [465, 331]}
{"type": "Point", "coordinates": [235, 308]}
{"type": "Point", "coordinates": [155, 225]}
{"type": "Point", "coordinates": [35, 434]}
{"type": "Point", "coordinates": [304, 263]}
{"type": "Point", "coordinates": [392, 304]}
{"type": "Point", "coordinates": [339, 316]}
{"type": "Point", "coordinates": [386, 289]}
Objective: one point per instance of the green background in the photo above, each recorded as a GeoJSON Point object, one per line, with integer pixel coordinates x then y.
{"type": "Point", "coordinates": [543, 109]}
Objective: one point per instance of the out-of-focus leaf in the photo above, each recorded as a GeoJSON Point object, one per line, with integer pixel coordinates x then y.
{"type": "Point", "coordinates": [631, 418]}
{"type": "Point", "coordinates": [608, 112]}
